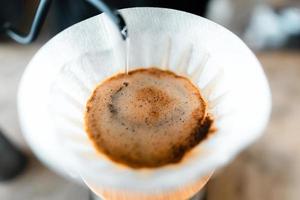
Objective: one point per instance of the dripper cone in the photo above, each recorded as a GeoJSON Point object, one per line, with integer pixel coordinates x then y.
{"type": "Point", "coordinates": [226, 72]}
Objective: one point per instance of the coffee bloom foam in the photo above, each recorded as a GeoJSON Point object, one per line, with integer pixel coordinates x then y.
{"type": "Point", "coordinates": [217, 61]}
{"type": "Point", "coordinates": [147, 118]}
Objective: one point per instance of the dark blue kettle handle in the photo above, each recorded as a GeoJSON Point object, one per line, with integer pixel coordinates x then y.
{"type": "Point", "coordinates": [35, 28]}
{"type": "Point", "coordinates": [41, 14]}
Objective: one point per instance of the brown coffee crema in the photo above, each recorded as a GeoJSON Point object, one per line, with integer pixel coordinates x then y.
{"type": "Point", "coordinates": [146, 118]}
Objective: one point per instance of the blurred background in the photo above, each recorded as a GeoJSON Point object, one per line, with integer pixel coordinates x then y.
{"type": "Point", "coordinates": [268, 169]}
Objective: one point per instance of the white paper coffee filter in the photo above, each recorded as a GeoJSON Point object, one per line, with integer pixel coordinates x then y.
{"type": "Point", "coordinates": [218, 62]}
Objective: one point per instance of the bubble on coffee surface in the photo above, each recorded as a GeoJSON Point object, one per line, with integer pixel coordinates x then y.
{"type": "Point", "coordinates": [146, 118]}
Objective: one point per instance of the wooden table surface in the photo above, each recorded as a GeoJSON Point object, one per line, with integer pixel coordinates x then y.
{"type": "Point", "coordinates": [267, 170]}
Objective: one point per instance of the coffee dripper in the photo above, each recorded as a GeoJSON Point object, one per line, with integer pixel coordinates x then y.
{"type": "Point", "coordinates": [174, 40]}
{"type": "Point", "coordinates": [75, 61]}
